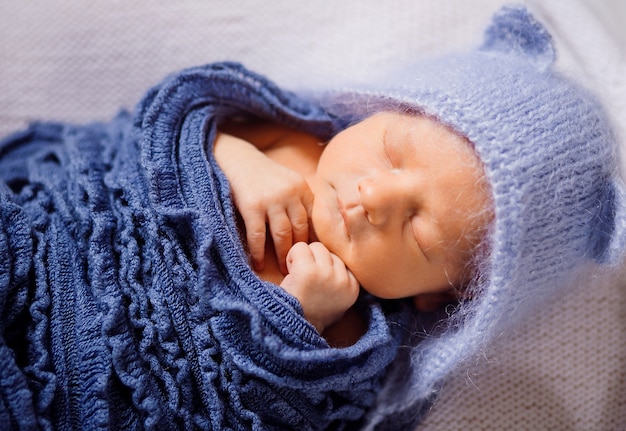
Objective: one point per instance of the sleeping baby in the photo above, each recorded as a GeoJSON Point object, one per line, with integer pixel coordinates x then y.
{"type": "Point", "coordinates": [384, 214]}
{"type": "Point", "coordinates": [464, 164]}
{"type": "Point", "coordinates": [236, 256]}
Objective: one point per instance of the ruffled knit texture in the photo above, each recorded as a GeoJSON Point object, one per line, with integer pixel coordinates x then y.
{"type": "Point", "coordinates": [125, 295]}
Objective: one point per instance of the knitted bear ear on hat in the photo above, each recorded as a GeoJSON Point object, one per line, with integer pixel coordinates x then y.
{"type": "Point", "coordinates": [514, 30]}
{"type": "Point", "coordinates": [608, 240]}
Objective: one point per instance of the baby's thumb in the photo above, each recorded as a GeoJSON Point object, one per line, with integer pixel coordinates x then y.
{"type": "Point", "coordinates": [296, 252]}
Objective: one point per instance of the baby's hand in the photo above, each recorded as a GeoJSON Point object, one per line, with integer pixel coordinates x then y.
{"type": "Point", "coordinates": [266, 192]}
{"type": "Point", "coordinates": [321, 282]}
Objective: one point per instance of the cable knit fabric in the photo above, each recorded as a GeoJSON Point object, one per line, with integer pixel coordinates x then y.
{"type": "Point", "coordinates": [549, 155]}
{"type": "Point", "coordinates": [125, 295]}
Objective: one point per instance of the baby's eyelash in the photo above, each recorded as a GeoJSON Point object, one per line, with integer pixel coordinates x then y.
{"type": "Point", "coordinates": [387, 153]}
{"type": "Point", "coordinates": [414, 231]}
{"type": "Point", "coordinates": [416, 237]}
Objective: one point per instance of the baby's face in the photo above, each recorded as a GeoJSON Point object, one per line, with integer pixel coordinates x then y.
{"type": "Point", "coordinates": [402, 201]}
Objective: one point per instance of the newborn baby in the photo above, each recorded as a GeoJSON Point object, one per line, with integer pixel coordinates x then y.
{"type": "Point", "coordinates": [397, 204]}
{"type": "Point", "coordinates": [485, 173]}
{"type": "Point", "coordinates": [127, 296]}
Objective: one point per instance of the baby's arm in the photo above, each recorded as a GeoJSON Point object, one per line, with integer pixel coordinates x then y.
{"type": "Point", "coordinates": [321, 282]}
{"type": "Point", "coordinates": [265, 192]}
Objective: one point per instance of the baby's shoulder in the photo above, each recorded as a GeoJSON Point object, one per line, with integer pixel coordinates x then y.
{"type": "Point", "coordinates": [266, 134]}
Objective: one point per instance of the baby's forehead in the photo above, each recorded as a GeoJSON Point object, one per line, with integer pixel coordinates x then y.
{"type": "Point", "coordinates": [415, 127]}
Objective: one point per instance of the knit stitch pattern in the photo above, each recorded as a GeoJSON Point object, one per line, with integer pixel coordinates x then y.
{"type": "Point", "coordinates": [125, 294]}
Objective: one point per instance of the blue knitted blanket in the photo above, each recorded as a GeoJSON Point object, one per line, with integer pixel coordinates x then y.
{"type": "Point", "coordinates": [126, 300]}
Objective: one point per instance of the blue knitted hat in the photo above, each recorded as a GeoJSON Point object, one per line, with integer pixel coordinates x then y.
{"type": "Point", "coordinates": [550, 157]}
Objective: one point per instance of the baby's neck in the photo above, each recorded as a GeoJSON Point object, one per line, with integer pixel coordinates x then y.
{"type": "Point", "coordinates": [297, 151]}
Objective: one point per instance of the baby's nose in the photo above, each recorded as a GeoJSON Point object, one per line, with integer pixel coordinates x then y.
{"type": "Point", "coordinates": [382, 197]}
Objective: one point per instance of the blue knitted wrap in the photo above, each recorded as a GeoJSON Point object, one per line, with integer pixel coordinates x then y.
{"type": "Point", "coordinates": [126, 298]}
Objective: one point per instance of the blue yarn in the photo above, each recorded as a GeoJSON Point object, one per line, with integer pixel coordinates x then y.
{"type": "Point", "coordinates": [127, 301]}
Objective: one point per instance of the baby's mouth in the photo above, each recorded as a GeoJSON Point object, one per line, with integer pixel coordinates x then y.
{"type": "Point", "coordinates": [344, 217]}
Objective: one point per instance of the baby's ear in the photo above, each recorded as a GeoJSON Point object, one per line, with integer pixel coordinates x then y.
{"type": "Point", "coordinates": [514, 30]}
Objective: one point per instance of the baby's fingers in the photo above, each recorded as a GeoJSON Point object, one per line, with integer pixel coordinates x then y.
{"type": "Point", "coordinates": [256, 235]}
{"type": "Point", "coordinates": [341, 275]}
{"type": "Point", "coordinates": [322, 255]}
{"type": "Point", "coordinates": [286, 225]}
{"type": "Point", "coordinates": [300, 214]}
{"type": "Point", "coordinates": [294, 229]}
{"type": "Point", "coordinates": [282, 235]}
{"type": "Point", "coordinates": [300, 252]}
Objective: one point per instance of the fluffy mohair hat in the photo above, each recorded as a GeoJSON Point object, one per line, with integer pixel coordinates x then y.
{"type": "Point", "coordinates": [550, 158]}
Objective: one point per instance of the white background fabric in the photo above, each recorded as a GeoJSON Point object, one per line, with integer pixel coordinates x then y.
{"type": "Point", "coordinates": [80, 61]}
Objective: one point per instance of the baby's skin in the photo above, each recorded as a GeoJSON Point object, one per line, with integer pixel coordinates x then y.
{"type": "Point", "coordinates": [395, 204]}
